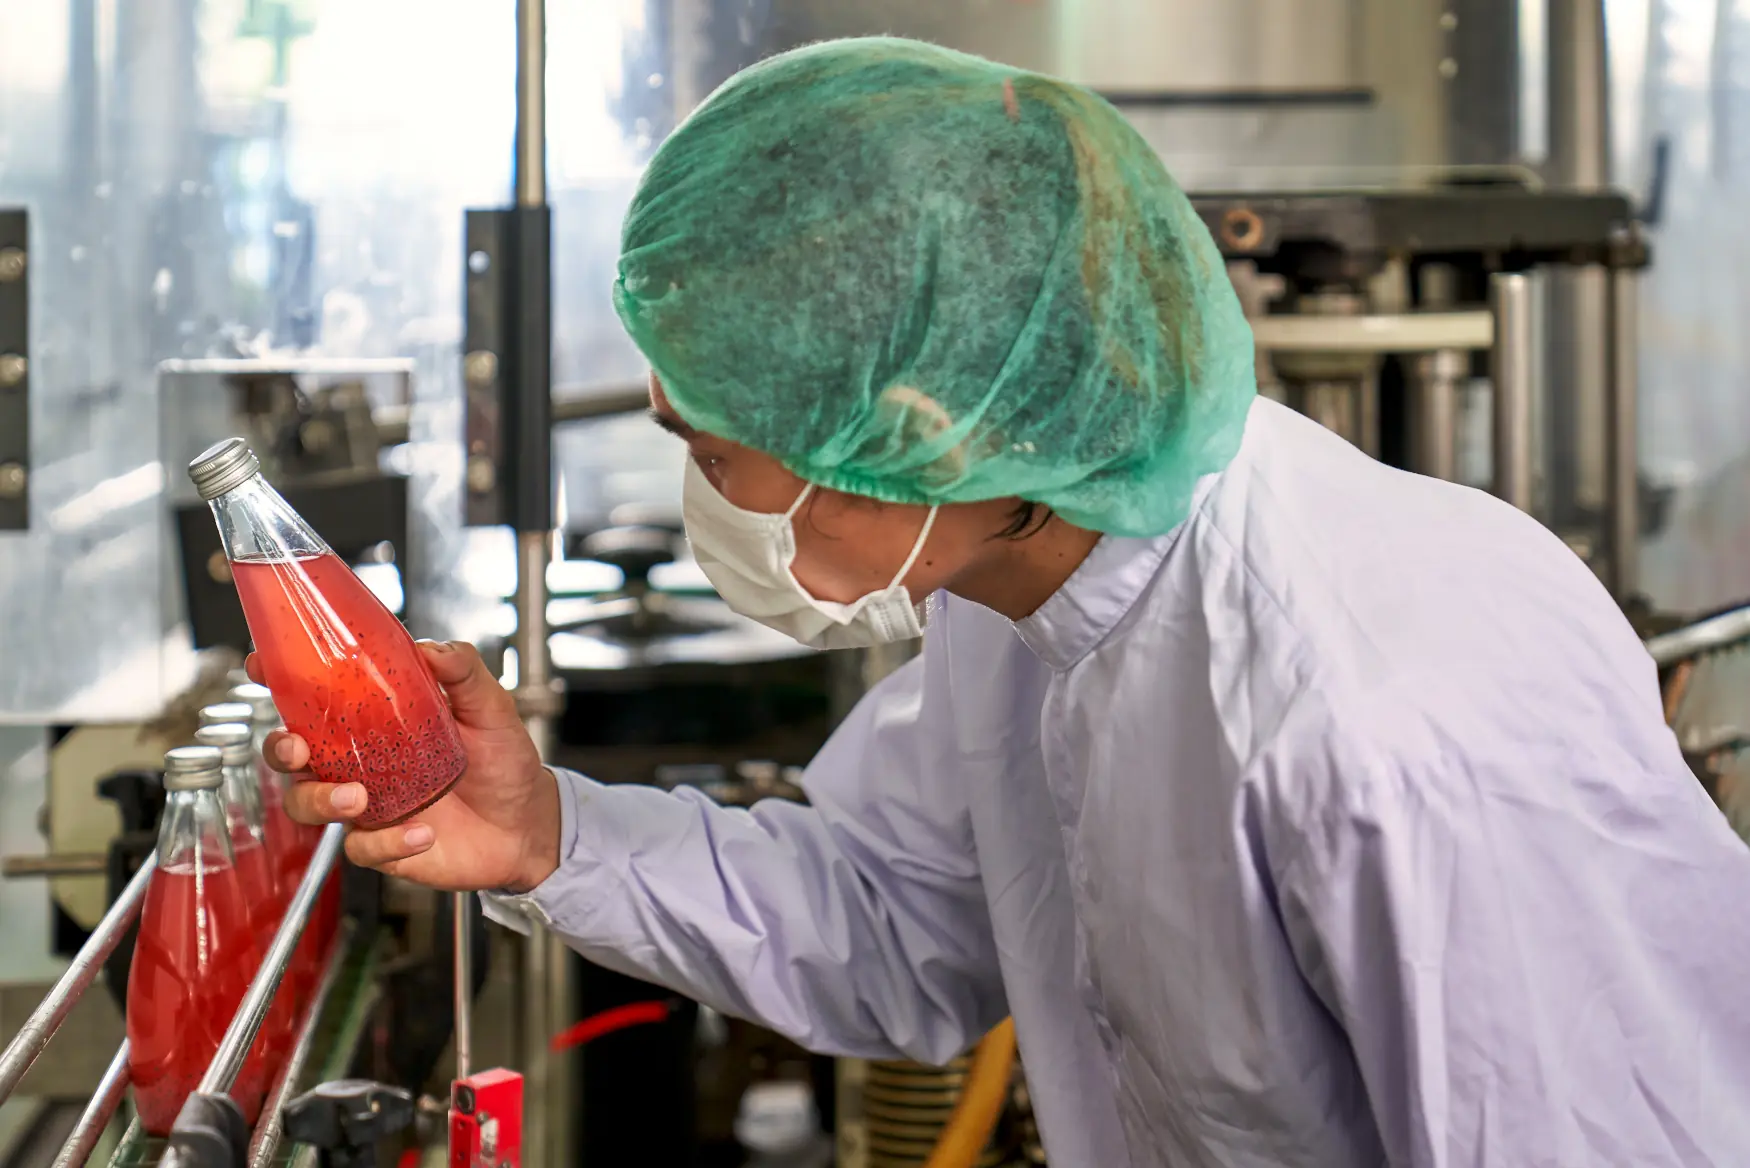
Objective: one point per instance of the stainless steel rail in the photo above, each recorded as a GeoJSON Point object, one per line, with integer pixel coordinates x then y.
{"type": "Point", "coordinates": [1725, 631]}
{"type": "Point", "coordinates": [97, 1114]}
{"type": "Point", "coordinates": [54, 1008]}
{"type": "Point", "coordinates": [270, 1129]}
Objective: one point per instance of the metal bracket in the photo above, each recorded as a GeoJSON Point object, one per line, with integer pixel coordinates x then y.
{"type": "Point", "coordinates": [507, 368]}
{"type": "Point", "coordinates": [14, 369]}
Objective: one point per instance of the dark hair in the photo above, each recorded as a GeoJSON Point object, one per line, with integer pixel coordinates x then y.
{"type": "Point", "coordinates": [1027, 519]}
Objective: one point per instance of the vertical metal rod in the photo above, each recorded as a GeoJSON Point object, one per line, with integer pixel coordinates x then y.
{"type": "Point", "coordinates": [544, 962]}
{"type": "Point", "coordinates": [1623, 432]}
{"type": "Point", "coordinates": [561, 1099]}
{"type": "Point", "coordinates": [546, 965]}
{"type": "Point", "coordinates": [464, 973]}
{"type": "Point", "coordinates": [97, 1114]}
{"type": "Point", "coordinates": [531, 104]}
{"type": "Point", "coordinates": [537, 1060]}
{"type": "Point", "coordinates": [534, 663]}
{"type": "Point", "coordinates": [1579, 94]}
{"type": "Point", "coordinates": [1436, 416]}
{"type": "Point", "coordinates": [1511, 369]}
{"type": "Point", "coordinates": [1576, 34]}
{"type": "Point", "coordinates": [22, 1051]}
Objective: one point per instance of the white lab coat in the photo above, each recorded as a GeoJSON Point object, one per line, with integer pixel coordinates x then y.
{"type": "Point", "coordinates": [1338, 827]}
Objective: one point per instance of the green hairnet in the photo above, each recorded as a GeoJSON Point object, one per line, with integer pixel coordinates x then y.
{"type": "Point", "coordinates": [918, 276]}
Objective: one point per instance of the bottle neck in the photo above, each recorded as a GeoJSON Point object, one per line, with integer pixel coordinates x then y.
{"type": "Point", "coordinates": [194, 833]}
{"type": "Point", "coordinates": [255, 523]}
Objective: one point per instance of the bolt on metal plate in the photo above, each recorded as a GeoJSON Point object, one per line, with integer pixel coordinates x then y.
{"type": "Point", "coordinates": [13, 479]}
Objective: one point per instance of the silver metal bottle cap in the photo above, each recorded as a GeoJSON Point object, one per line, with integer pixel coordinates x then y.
{"type": "Point", "coordinates": [223, 467]}
{"type": "Point", "coordinates": [219, 713]}
{"type": "Point", "coordinates": [257, 698]}
{"type": "Point", "coordinates": [234, 739]}
{"type": "Point", "coordinates": [193, 768]}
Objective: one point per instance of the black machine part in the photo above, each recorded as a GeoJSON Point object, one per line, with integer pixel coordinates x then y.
{"type": "Point", "coordinates": [635, 550]}
{"type": "Point", "coordinates": [14, 369]}
{"type": "Point", "coordinates": [139, 797]}
{"type": "Point", "coordinates": [420, 998]}
{"type": "Point", "coordinates": [344, 1120]}
{"type": "Point", "coordinates": [210, 1133]}
{"type": "Point", "coordinates": [352, 517]}
{"type": "Point", "coordinates": [1325, 237]}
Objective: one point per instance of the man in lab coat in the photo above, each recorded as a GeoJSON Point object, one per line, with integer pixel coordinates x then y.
{"type": "Point", "coordinates": [1300, 811]}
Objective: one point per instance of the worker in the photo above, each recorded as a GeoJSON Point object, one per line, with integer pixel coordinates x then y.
{"type": "Point", "coordinates": [1299, 810]}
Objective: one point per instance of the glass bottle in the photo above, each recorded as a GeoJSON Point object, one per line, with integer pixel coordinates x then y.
{"type": "Point", "coordinates": [289, 843]}
{"type": "Point", "coordinates": [343, 671]}
{"type": "Point", "coordinates": [264, 899]}
{"type": "Point", "coordinates": [292, 845]}
{"type": "Point", "coordinates": [195, 954]}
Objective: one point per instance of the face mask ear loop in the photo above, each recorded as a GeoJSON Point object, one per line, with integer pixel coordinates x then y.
{"type": "Point", "coordinates": [807, 490]}
{"type": "Point", "coordinates": [917, 549]}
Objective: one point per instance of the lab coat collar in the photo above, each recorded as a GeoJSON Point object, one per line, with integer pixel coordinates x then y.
{"type": "Point", "coordinates": [1079, 615]}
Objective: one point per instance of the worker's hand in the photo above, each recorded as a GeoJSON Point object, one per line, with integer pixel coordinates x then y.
{"type": "Point", "coordinates": [498, 828]}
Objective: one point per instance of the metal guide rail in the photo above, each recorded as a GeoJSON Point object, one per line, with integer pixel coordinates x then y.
{"type": "Point", "coordinates": [209, 1130]}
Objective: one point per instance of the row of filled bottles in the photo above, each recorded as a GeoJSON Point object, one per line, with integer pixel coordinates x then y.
{"type": "Point", "coordinates": [229, 863]}
{"type": "Point", "coordinates": [350, 682]}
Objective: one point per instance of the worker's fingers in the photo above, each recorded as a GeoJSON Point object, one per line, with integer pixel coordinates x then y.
{"type": "Point", "coordinates": [376, 849]}
{"type": "Point", "coordinates": [316, 802]}
{"type": "Point", "coordinates": [252, 666]}
{"type": "Point", "coordinates": [286, 752]}
{"type": "Point", "coordinates": [475, 695]}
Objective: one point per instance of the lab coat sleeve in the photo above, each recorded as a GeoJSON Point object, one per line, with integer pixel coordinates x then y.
{"type": "Point", "coordinates": [1525, 939]}
{"type": "Point", "coordinates": [855, 925]}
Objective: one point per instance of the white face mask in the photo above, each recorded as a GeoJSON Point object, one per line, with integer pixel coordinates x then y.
{"type": "Point", "coordinates": [747, 556]}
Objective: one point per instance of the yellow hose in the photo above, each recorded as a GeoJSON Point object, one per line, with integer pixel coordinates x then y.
{"type": "Point", "coordinates": [981, 1101]}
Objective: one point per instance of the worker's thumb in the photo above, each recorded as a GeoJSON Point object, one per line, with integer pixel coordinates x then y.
{"type": "Point", "coordinates": [475, 695]}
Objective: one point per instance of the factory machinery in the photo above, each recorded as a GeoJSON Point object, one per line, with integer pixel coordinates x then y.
{"type": "Point", "coordinates": [1477, 324]}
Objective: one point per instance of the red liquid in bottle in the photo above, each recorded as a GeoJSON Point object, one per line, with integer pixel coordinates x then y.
{"type": "Point", "coordinates": [265, 905]}
{"type": "Point", "coordinates": [192, 965]}
{"type": "Point", "coordinates": [282, 833]}
{"type": "Point", "coordinates": [349, 680]}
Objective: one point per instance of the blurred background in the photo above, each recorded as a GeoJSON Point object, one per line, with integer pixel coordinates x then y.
{"type": "Point", "coordinates": [250, 216]}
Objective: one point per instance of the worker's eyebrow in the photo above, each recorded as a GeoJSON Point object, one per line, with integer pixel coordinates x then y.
{"type": "Point", "coordinates": [672, 424]}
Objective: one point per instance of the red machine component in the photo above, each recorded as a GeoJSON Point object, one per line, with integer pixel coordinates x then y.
{"type": "Point", "coordinates": [486, 1120]}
